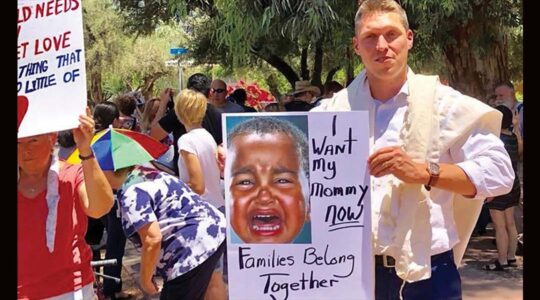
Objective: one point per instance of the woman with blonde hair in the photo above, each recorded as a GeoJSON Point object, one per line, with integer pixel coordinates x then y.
{"type": "Point", "coordinates": [198, 166]}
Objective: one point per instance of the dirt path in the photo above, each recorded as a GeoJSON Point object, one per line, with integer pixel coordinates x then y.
{"type": "Point", "coordinates": [478, 284]}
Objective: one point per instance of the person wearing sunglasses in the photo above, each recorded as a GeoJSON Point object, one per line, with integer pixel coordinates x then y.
{"type": "Point", "coordinates": [218, 97]}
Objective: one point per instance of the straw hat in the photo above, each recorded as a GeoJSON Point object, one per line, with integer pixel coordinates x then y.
{"type": "Point", "coordinates": [305, 86]}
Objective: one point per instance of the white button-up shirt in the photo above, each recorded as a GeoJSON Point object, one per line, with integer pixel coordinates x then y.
{"type": "Point", "coordinates": [481, 156]}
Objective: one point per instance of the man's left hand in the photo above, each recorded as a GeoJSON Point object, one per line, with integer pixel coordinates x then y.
{"type": "Point", "coordinates": [393, 160]}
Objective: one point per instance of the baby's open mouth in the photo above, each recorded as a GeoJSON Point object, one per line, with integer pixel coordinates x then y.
{"type": "Point", "coordinates": [266, 224]}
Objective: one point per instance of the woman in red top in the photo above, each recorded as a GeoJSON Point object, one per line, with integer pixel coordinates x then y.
{"type": "Point", "coordinates": [53, 257]}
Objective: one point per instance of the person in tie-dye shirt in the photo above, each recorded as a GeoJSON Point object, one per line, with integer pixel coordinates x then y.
{"type": "Point", "coordinates": [180, 235]}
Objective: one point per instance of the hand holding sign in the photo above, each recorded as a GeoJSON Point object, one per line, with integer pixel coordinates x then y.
{"type": "Point", "coordinates": [84, 133]}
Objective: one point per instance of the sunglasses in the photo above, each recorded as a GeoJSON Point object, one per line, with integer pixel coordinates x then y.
{"type": "Point", "coordinates": [218, 91]}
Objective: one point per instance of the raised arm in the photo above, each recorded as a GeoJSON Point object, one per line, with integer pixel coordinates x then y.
{"type": "Point", "coordinates": [164, 98]}
{"type": "Point", "coordinates": [96, 193]}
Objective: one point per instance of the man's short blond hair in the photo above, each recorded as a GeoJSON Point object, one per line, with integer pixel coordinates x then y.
{"type": "Point", "coordinates": [385, 6]}
{"type": "Point", "coordinates": [190, 107]}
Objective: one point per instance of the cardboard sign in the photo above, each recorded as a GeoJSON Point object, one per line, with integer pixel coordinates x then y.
{"type": "Point", "coordinates": [50, 65]}
{"type": "Point", "coordinates": [298, 206]}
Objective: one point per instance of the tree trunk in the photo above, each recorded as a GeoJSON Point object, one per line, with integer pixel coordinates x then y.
{"type": "Point", "coordinates": [272, 84]}
{"type": "Point", "coordinates": [472, 73]}
{"type": "Point", "coordinates": [304, 72]}
{"type": "Point", "coordinates": [317, 64]}
{"type": "Point", "coordinates": [148, 84]}
{"type": "Point", "coordinates": [280, 65]}
{"type": "Point", "coordinates": [331, 73]}
{"type": "Point", "coordinates": [96, 93]}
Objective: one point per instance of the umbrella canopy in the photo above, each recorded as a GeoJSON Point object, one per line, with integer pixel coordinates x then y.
{"type": "Point", "coordinates": [119, 148]}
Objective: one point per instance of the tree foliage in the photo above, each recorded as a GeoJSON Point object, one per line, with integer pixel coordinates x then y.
{"type": "Point", "coordinates": [302, 39]}
{"type": "Point", "coordinates": [103, 42]}
{"type": "Point", "coordinates": [298, 38]}
{"type": "Point", "coordinates": [118, 60]}
{"type": "Point", "coordinates": [474, 43]}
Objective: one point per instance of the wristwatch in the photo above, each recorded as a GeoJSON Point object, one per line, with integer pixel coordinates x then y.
{"type": "Point", "coordinates": [434, 171]}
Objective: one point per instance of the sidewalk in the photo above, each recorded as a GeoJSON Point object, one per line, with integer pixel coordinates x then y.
{"type": "Point", "coordinates": [476, 283]}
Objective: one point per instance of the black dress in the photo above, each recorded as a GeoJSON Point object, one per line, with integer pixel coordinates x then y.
{"type": "Point", "coordinates": [511, 199]}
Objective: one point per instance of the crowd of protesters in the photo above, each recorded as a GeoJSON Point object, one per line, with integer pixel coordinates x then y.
{"type": "Point", "coordinates": [186, 181]}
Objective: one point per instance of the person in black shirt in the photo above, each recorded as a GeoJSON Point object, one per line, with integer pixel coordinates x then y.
{"type": "Point", "coordinates": [169, 123]}
{"type": "Point", "coordinates": [239, 96]}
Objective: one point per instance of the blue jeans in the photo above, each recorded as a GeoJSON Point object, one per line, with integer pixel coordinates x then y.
{"type": "Point", "coordinates": [445, 282]}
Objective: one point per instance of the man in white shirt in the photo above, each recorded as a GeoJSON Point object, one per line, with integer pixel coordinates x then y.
{"type": "Point", "coordinates": [506, 95]}
{"type": "Point", "coordinates": [429, 145]}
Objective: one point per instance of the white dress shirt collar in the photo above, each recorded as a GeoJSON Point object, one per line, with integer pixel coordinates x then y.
{"type": "Point", "coordinates": [399, 97]}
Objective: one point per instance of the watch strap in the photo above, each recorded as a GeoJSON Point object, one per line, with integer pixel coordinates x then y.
{"type": "Point", "coordinates": [91, 155]}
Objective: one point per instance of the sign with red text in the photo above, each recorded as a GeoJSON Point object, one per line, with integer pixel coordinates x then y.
{"type": "Point", "coordinates": [298, 206]}
{"type": "Point", "coordinates": [50, 65]}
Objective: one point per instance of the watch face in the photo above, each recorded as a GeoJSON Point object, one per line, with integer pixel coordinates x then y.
{"type": "Point", "coordinates": [433, 168]}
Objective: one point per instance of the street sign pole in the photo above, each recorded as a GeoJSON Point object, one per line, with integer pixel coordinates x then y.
{"type": "Point", "coordinates": [179, 76]}
{"type": "Point", "coordinates": [177, 52]}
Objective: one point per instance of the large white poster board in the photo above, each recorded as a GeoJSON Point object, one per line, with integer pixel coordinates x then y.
{"type": "Point", "coordinates": [51, 76]}
{"type": "Point", "coordinates": [292, 236]}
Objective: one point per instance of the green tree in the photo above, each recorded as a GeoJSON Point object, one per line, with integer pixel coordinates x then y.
{"type": "Point", "coordinates": [297, 38]}
{"type": "Point", "coordinates": [103, 41]}
{"type": "Point", "coordinates": [142, 62]}
{"type": "Point", "coordinates": [474, 43]}
{"type": "Point", "coordinates": [468, 40]}
{"type": "Point", "coordinates": [118, 60]}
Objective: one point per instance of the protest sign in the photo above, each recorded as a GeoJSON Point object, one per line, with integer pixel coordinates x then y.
{"type": "Point", "coordinates": [298, 206]}
{"type": "Point", "coordinates": [50, 65]}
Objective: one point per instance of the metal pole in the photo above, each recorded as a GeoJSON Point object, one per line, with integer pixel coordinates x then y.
{"type": "Point", "coordinates": [179, 76]}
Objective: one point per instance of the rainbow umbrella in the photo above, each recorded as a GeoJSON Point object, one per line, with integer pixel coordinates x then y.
{"type": "Point", "coordinates": [119, 148]}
